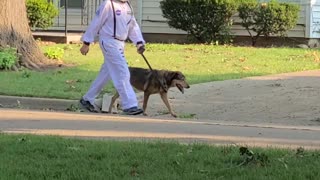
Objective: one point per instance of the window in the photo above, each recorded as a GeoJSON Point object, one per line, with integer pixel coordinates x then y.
{"type": "Point", "coordinates": [72, 3]}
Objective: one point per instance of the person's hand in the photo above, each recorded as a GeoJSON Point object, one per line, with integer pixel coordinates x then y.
{"type": "Point", "coordinates": [84, 49]}
{"type": "Point", "coordinates": [140, 48]}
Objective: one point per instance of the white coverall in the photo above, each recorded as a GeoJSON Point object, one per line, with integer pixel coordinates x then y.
{"type": "Point", "coordinates": [122, 26]}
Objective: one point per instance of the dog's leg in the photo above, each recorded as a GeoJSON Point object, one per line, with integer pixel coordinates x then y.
{"type": "Point", "coordinates": [164, 98]}
{"type": "Point", "coordinates": [145, 102]}
{"type": "Point", "coordinates": [113, 99]}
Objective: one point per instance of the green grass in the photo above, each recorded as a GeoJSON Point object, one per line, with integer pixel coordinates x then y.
{"type": "Point", "coordinates": [200, 63]}
{"type": "Point", "coordinates": [42, 157]}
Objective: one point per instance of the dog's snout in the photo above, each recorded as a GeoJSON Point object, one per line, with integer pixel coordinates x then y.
{"type": "Point", "coordinates": [186, 85]}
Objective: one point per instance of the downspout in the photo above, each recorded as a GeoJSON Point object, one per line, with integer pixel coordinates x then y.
{"type": "Point", "coordinates": [140, 8]}
{"type": "Point", "coordinates": [66, 19]}
{"type": "Point", "coordinates": [309, 20]}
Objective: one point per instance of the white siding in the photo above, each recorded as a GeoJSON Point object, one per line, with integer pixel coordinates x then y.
{"type": "Point", "coordinates": [153, 22]}
{"type": "Point", "coordinates": [134, 5]}
{"type": "Point", "coordinates": [315, 19]}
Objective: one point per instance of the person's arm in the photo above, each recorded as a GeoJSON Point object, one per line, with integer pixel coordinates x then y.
{"type": "Point", "coordinates": [96, 23]}
{"type": "Point", "coordinates": [135, 36]}
{"type": "Point", "coordinates": [94, 27]}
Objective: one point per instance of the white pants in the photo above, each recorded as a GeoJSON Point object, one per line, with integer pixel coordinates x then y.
{"type": "Point", "coordinates": [115, 67]}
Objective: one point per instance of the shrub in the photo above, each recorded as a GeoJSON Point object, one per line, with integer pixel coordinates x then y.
{"type": "Point", "coordinates": [267, 19]}
{"type": "Point", "coordinates": [8, 57]}
{"type": "Point", "coordinates": [206, 20]}
{"type": "Point", "coordinates": [54, 53]}
{"type": "Point", "coordinates": [41, 13]}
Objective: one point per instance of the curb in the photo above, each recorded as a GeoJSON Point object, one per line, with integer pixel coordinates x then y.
{"type": "Point", "coordinates": [36, 103]}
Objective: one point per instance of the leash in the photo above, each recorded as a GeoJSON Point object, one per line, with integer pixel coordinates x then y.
{"type": "Point", "coordinates": [145, 59]}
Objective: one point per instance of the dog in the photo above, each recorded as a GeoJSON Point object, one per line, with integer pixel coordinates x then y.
{"type": "Point", "coordinates": [154, 82]}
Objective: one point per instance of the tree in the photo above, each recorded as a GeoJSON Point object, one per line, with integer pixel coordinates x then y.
{"type": "Point", "coordinates": [15, 32]}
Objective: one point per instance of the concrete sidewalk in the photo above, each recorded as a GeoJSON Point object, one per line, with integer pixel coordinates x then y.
{"type": "Point", "coordinates": [105, 126]}
{"type": "Point", "coordinates": [45, 116]}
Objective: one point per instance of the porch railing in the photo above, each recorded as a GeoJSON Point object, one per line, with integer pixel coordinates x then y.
{"type": "Point", "coordinates": [74, 18]}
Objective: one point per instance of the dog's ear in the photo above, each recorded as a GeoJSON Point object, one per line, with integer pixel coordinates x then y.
{"type": "Point", "coordinates": [177, 75]}
{"type": "Point", "coordinates": [173, 75]}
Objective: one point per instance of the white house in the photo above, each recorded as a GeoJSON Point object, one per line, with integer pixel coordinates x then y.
{"type": "Point", "coordinates": [149, 16]}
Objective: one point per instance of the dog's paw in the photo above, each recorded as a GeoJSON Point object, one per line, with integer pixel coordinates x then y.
{"type": "Point", "coordinates": [145, 114]}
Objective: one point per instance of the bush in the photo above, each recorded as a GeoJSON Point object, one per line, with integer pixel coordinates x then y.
{"type": "Point", "coordinates": [8, 58]}
{"type": "Point", "coordinates": [54, 53]}
{"type": "Point", "coordinates": [206, 20]}
{"type": "Point", "coordinates": [41, 13]}
{"type": "Point", "coordinates": [267, 19]}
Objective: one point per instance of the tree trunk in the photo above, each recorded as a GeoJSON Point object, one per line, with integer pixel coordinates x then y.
{"type": "Point", "coordinates": [15, 32]}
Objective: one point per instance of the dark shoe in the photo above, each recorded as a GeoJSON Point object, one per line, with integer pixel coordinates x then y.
{"type": "Point", "coordinates": [133, 111]}
{"type": "Point", "coordinates": [87, 105]}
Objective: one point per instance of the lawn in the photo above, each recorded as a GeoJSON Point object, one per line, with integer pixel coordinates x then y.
{"type": "Point", "coordinates": [200, 63]}
{"type": "Point", "coordinates": [44, 157]}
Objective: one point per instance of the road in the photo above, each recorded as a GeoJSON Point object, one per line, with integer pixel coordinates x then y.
{"type": "Point", "coordinates": [138, 127]}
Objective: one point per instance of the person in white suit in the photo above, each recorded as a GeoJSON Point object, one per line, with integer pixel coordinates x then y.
{"type": "Point", "coordinates": [114, 22]}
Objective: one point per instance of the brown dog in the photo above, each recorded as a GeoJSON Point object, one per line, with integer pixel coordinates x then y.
{"type": "Point", "coordinates": [149, 82]}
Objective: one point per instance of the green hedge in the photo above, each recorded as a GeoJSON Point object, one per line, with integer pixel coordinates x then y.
{"type": "Point", "coordinates": [272, 18]}
{"type": "Point", "coordinates": [206, 20]}
{"type": "Point", "coordinates": [41, 13]}
{"type": "Point", "coordinates": [210, 20]}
